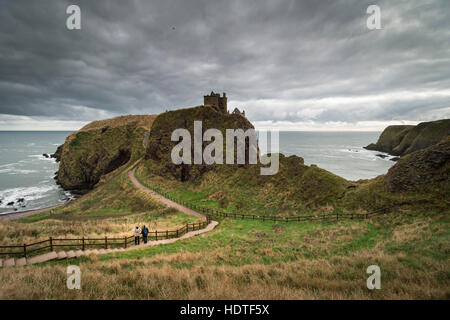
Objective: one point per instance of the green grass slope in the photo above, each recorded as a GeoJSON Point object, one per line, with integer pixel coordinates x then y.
{"type": "Point", "coordinates": [295, 189]}
{"type": "Point", "coordinates": [401, 140]}
{"type": "Point", "coordinates": [245, 259]}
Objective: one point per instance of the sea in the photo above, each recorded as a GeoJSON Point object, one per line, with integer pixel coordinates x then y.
{"type": "Point", "coordinates": [26, 173]}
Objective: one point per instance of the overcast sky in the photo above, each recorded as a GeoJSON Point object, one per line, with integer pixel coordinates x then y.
{"type": "Point", "coordinates": [306, 65]}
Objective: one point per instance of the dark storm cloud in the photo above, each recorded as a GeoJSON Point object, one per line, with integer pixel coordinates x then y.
{"type": "Point", "coordinates": [279, 60]}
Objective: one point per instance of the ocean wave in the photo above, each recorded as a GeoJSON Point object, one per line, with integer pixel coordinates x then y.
{"type": "Point", "coordinates": [352, 150]}
{"type": "Point", "coordinates": [17, 171]}
{"type": "Point", "coordinates": [28, 193]}
{"type": "Point", "coordinates": [7, 165]}
{"type": "Point", "coordinates": [41, 157]}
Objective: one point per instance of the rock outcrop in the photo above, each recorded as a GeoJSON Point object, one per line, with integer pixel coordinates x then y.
{"type": "Point", "coordinates": [100, 148]}
{"type": "Point", "coordinates": [160, 144]}
{"type": "Point", "coordinates": [57, 154]}
{"type": "Point", "coordinates": [420, 168]}
{"type": "Point", "coordinates": [402, 140]}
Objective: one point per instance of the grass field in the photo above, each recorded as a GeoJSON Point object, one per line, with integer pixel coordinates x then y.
{"type": "Point", "coordinates": [239, 259]}
{"type": "Point", "coordinates": [244, 259]}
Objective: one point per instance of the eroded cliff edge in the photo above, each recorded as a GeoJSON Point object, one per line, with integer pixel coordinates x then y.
{"type": "Point", "coordinates": [405, 139]}
{"type": "Point", "coordinates": [99, 148]}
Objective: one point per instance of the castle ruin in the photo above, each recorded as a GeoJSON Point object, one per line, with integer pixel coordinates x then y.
{"type": "Point", "coordinates": [215, 101]}
{"type": "Point", "coordinates": [237, 111]}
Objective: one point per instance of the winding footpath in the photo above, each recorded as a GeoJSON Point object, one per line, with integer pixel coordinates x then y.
{"type": "Point", "coordinates": [77, 253]}
{"type": "Point", "coordinates": [159, 197]}
{"type": "Point", "coordinates": [171, 204]}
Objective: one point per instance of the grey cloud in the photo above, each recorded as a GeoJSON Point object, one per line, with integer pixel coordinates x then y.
{"type": "Point", "coordinates": [148, 56]}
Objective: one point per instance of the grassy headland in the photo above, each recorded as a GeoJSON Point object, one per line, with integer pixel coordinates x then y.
{"type": "Point", "coordinates": [404, 139]}
{"type": "Point", "coordinates": [246, 259]}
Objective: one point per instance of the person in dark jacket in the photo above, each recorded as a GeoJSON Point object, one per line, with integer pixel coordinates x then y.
{"type": "Point", "coordinates": [145, 234]}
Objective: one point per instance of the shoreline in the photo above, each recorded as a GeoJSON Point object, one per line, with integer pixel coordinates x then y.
{"type": "Point", "coordinates": [15, 215]}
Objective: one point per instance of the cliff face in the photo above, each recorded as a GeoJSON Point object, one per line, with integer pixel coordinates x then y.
{"type": "Point", "coordinates": [100, 148]}
{"type": "Point", "coordinates": [390, 138]}
{"type": "Point", "coordinates": [420, 168]}
{"type": "Point", "coordinates": [160, 144]}
{"type": "Point", "coordinates": [402, 140]}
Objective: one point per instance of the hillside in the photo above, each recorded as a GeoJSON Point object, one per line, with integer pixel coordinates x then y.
{"type": "Point", "coordinates": [99, 148]}
{"type": "Point", "coordinates": [424, 167]}
{"type": "Point", "coordinates": [402, 140]}
{"type": "Point", "coordinates": [244, 259]}
{"type": "Point", "coordinates": [295, 189]}
{"type": "Point", "coordinates": [160, 144]}
{"type": "Point", "coordinates": [103, 146]}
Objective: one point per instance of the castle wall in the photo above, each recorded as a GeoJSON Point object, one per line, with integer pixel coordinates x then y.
{"type": "Point", "coordinates": [212, 101]}
{"type": "Point", "coordinates": [216, 101]}
{"type": "Point", "coordinates": [223, 104]}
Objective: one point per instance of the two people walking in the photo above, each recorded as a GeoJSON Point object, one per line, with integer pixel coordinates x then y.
{"type": "Point", "coordinates": [137, 234]}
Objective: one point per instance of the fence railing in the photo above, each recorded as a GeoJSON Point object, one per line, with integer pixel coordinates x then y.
{"type": "Point", "coordinates": [50, 244]}
{"type": "Point", "coordinates": [211, 212]}
{"type": "Point", "coordinates": [105, 242]}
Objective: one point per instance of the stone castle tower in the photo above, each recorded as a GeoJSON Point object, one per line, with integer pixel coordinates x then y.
{"type": "Point", "coordinates": [215, 101]}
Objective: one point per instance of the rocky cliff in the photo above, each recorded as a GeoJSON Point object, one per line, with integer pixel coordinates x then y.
{"type": "Point", "coordinates": [160, 144]}
{"type": "Point", "coordinates": [420, 168]}
{"type": "Point", "coordinates": [99, 148]}
{"type": "Point", "coordinates": [402, 140]}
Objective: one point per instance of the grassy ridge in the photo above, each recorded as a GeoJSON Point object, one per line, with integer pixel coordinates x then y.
{"type": "Point", "coordinates": [405, 139]}
{"type": "Point", "coordinates": [295, 190]}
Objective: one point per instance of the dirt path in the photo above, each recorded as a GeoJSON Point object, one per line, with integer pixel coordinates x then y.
{"type": "Point", "coordinates": [174, 205]}
{"type": "Point", "coordinates": [160, 198]}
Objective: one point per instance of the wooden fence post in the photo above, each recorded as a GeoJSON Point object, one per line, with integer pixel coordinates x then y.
{"type": "Point", "coordinates": [167, 234]}
{"type": "Point", "coordinates": [25, 250]}
{"type": "Point", "coordinates": [187, 228]}
{"type": "Point", "coordinates": [51, 243]}
{"type": "Point", "coordinates": [177, 233]}
{"type": "Point", "coordinates": [125, 242]}
{"type": "Point", "coordinates": [82, 243]}
{"type": "Point", "coordinates": [106, 242]}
